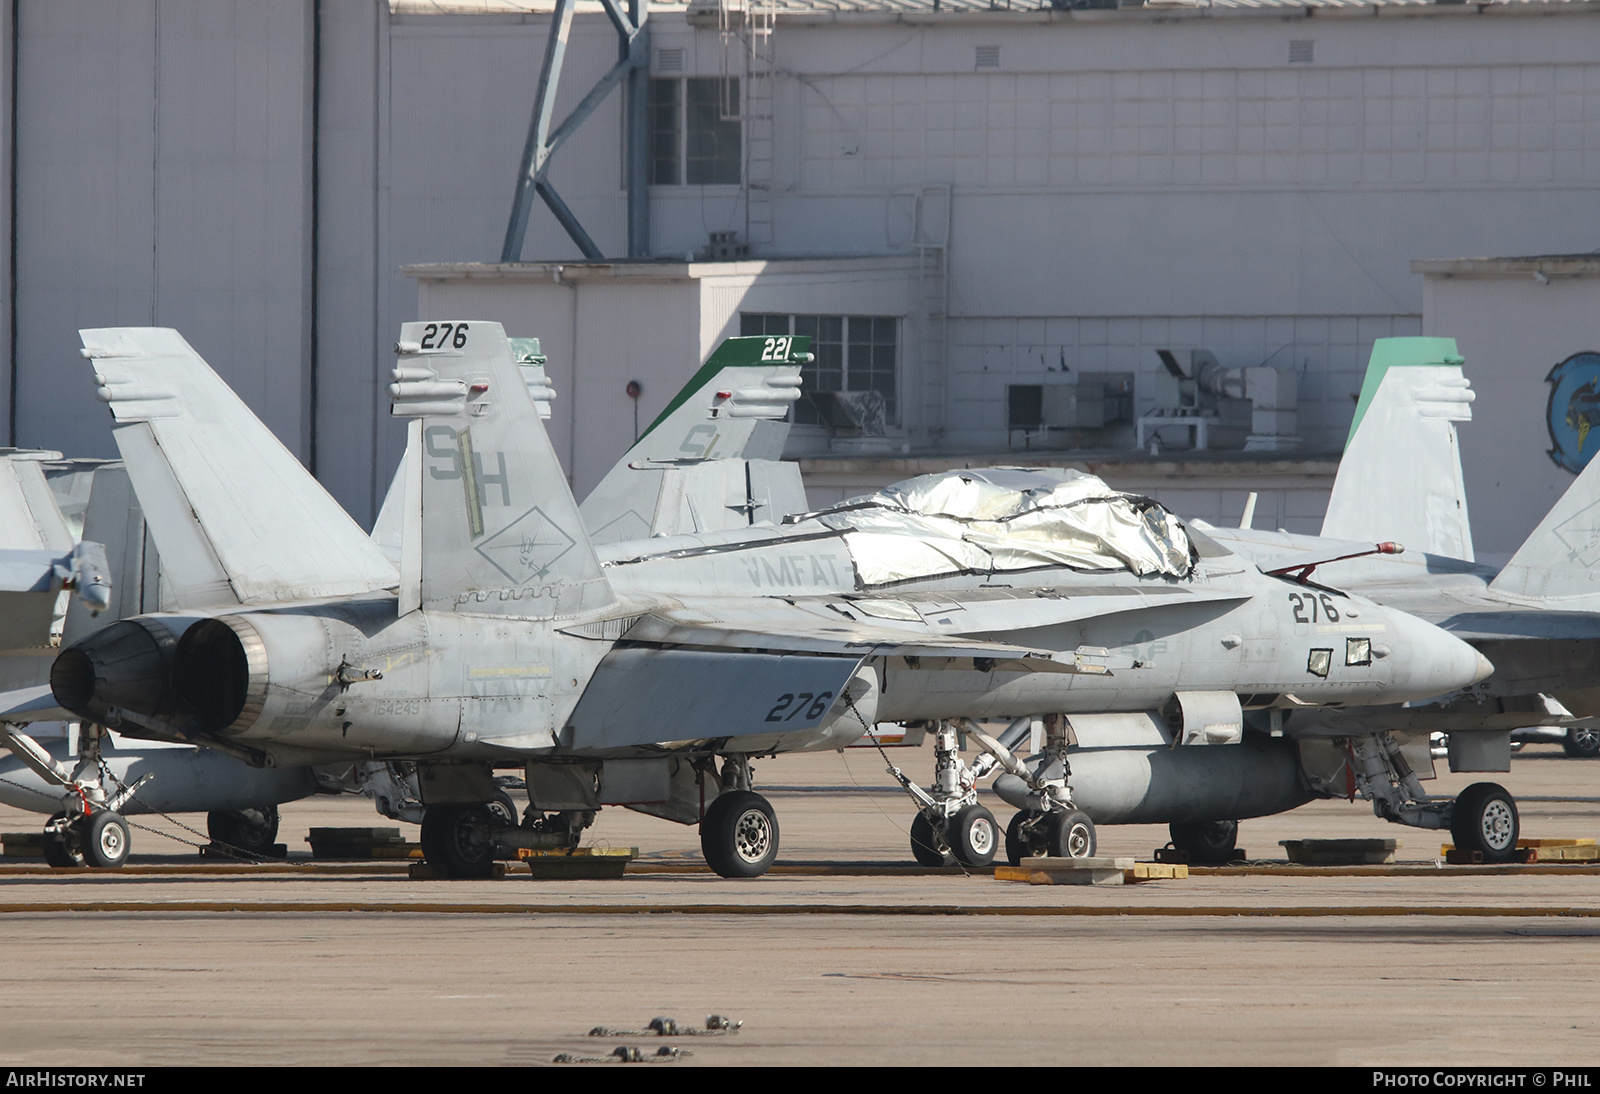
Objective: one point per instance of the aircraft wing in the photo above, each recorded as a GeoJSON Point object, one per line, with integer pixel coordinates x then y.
{"type": "Point", "coordinates": [680, 674]}
{"type": "Point", "coordinates": [32, 704]}
{"type": "Point", "coordinates": [991, 611]}
{"type": "Point", "coordinates": [235, 515]}
{"type": "Point", "coordinates": [808, 635]}
{"type": "Point", "coordinates": [1531, 624]}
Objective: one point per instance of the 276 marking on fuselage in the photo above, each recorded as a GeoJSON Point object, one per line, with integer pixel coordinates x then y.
{"type": "Point", "coordinates": [818, 706]}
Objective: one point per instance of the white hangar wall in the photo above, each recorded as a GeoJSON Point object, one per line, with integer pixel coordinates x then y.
{"type": "Point", "coordinates": [1514, 329]}
{"type": "Point", "coordinates": [1127, 184]}
{"type": "Point", "coordinates": [258, 172]}
{"type": "Point", "coordinates": [602, 325]}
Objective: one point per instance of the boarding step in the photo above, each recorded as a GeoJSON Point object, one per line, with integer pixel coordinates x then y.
{"type": "Point", "coordinates": [361, 843]}
{"type": "Point", "coordinates": [1340, 852]}
{"type": "Point", "coordinates": [1089, 871]}
{"type": "Point", "coordinates": [22, 845]}
{"type": "Point", "coordinates": [585, 863]}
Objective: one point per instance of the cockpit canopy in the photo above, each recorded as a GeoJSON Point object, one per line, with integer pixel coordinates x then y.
{"type": "Point", "coordinates": [1007, 518]}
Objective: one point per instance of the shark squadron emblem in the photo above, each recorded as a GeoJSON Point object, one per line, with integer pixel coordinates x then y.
{"type": "Point", "coordinates": [1574, 411]}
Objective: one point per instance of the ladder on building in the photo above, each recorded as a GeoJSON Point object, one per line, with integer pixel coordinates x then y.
{"type": "Point", "coordinates": [931, 237]}
{"type": "Point", "coordinates": [747, 44]}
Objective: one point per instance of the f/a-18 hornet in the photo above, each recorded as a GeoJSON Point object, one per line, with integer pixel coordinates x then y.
{"type": "Point", "coordinates": [651, 674]}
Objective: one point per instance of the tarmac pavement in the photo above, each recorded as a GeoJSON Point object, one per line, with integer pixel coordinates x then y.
{"type": "Point", "coordinates": [856, 959]}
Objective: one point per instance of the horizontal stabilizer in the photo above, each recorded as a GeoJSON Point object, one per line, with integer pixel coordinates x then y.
{"type": "Point", "coordinates": [32, 704]}
{"type": "Point", "coordinates": [235, 515]}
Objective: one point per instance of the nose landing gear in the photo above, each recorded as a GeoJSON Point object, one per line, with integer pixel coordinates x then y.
{"type": "Point", "coordinates": [950, 825]}
{"type": "Point", "coordinates": [88, 831]}
{"type": "Point", "coordinates": [94, 839]}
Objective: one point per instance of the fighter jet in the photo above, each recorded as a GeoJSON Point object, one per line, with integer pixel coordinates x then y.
{"type": "Point", "coordinates": [651, 673]}
{"type": "Point", "coordinates": [1123, 769]}
{"type": "Point", "coordinates": [1537, 619]}
{"type": "Point", "coordinates": [58, 771]}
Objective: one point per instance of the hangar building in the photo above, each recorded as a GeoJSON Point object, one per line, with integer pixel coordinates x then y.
{"type": "Point", "coordinates": [969, 203]}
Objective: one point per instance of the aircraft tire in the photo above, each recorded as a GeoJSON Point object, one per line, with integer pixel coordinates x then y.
{"type": "Point", "coordinates": [739, 834]}
{"type": "Point", "coordinates": [1072, 835]}
{"type": "Point", "coordinates": [504, 809]}
{"type": "Point", "coordinates": [1017, 847]}
{"type": "Point", "coordinates": [458, 839]}
{"type": "Point", "coordinates": [974, 836]}
{"type": "Point", "coordinates": [1582, 741]}
{"type": "Point", "coordinates": [60, 848]}
{"type": "Point", "coordinates": [1484, 819]}
{"type": "Point", "coordinates": [106, 840]}
{"type": "Point", "coordinates": [253, 830]}
{"type": "Point", "coordinates": [925, 842]}
{"type": "Point", "coordinates": [1207, 843]}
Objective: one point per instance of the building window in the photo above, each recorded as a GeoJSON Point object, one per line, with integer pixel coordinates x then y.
{"type": "Point", "coordinates": [695, 132]}
{"type": "Point", "coordinates": [849, 353]}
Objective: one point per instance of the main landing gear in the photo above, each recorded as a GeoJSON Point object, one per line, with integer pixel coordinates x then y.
{"type": "Point", "coordinates": [1205, 843]}
{"type": "Point", "coordinates": [1582, 741]}
{"type": "Point", "coordinates": [738, 828]}
{"type": "Point", "coordinates": [1482, 818]}
{"type": "Point", "coordinates": [951, 825]}
{"type": "Point", "coordinates": [466, 839]}
{"type": "Point", "coordinates": [739, 834]}
{"type": "Point", "coordinates": [739, 831]}
{"type": "Point", "coordinates": [89, 830]}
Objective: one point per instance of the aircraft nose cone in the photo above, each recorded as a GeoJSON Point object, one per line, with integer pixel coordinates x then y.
{"type": "Point", "coordinates": [1433, 661]}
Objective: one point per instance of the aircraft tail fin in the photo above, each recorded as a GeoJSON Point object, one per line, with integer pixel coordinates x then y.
{"type": "Point", "coordinates": [387, 530]}
{"type": "Point", "coordinates": [237, 518]}
{"type": "Point", "coordinates": [30, 519]}
{"type": "Point", "coordinates": [490, 525]}
{"type": "Point", "coordinates": [710, 460]}
{"type": "Point", "coordinates": [1400, 478]}
{"type": "Point", "coordinates": [1562, 556]}
{"type": "Point", "coordinates": [114, 518]}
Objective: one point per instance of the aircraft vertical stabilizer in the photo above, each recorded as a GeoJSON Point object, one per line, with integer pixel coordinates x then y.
{"type": "Point", "coordinates": [237, 518]}
{"type": "Point", "coordinates": [1562, 556]}
{"type": "Point", "coordinates": [1400, 478]}
{"type": "Point", "coordinates": [490, 526]}
{"type": "Point", "coordinates": [710, 460]}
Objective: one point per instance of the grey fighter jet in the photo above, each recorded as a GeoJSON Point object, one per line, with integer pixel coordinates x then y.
{"type": "Point", "coordinates": [649, 673]}
{"type": "Point", "coordinates": [1123, 768]}
{"type": "Point", "coordinates": [1537, 619]}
